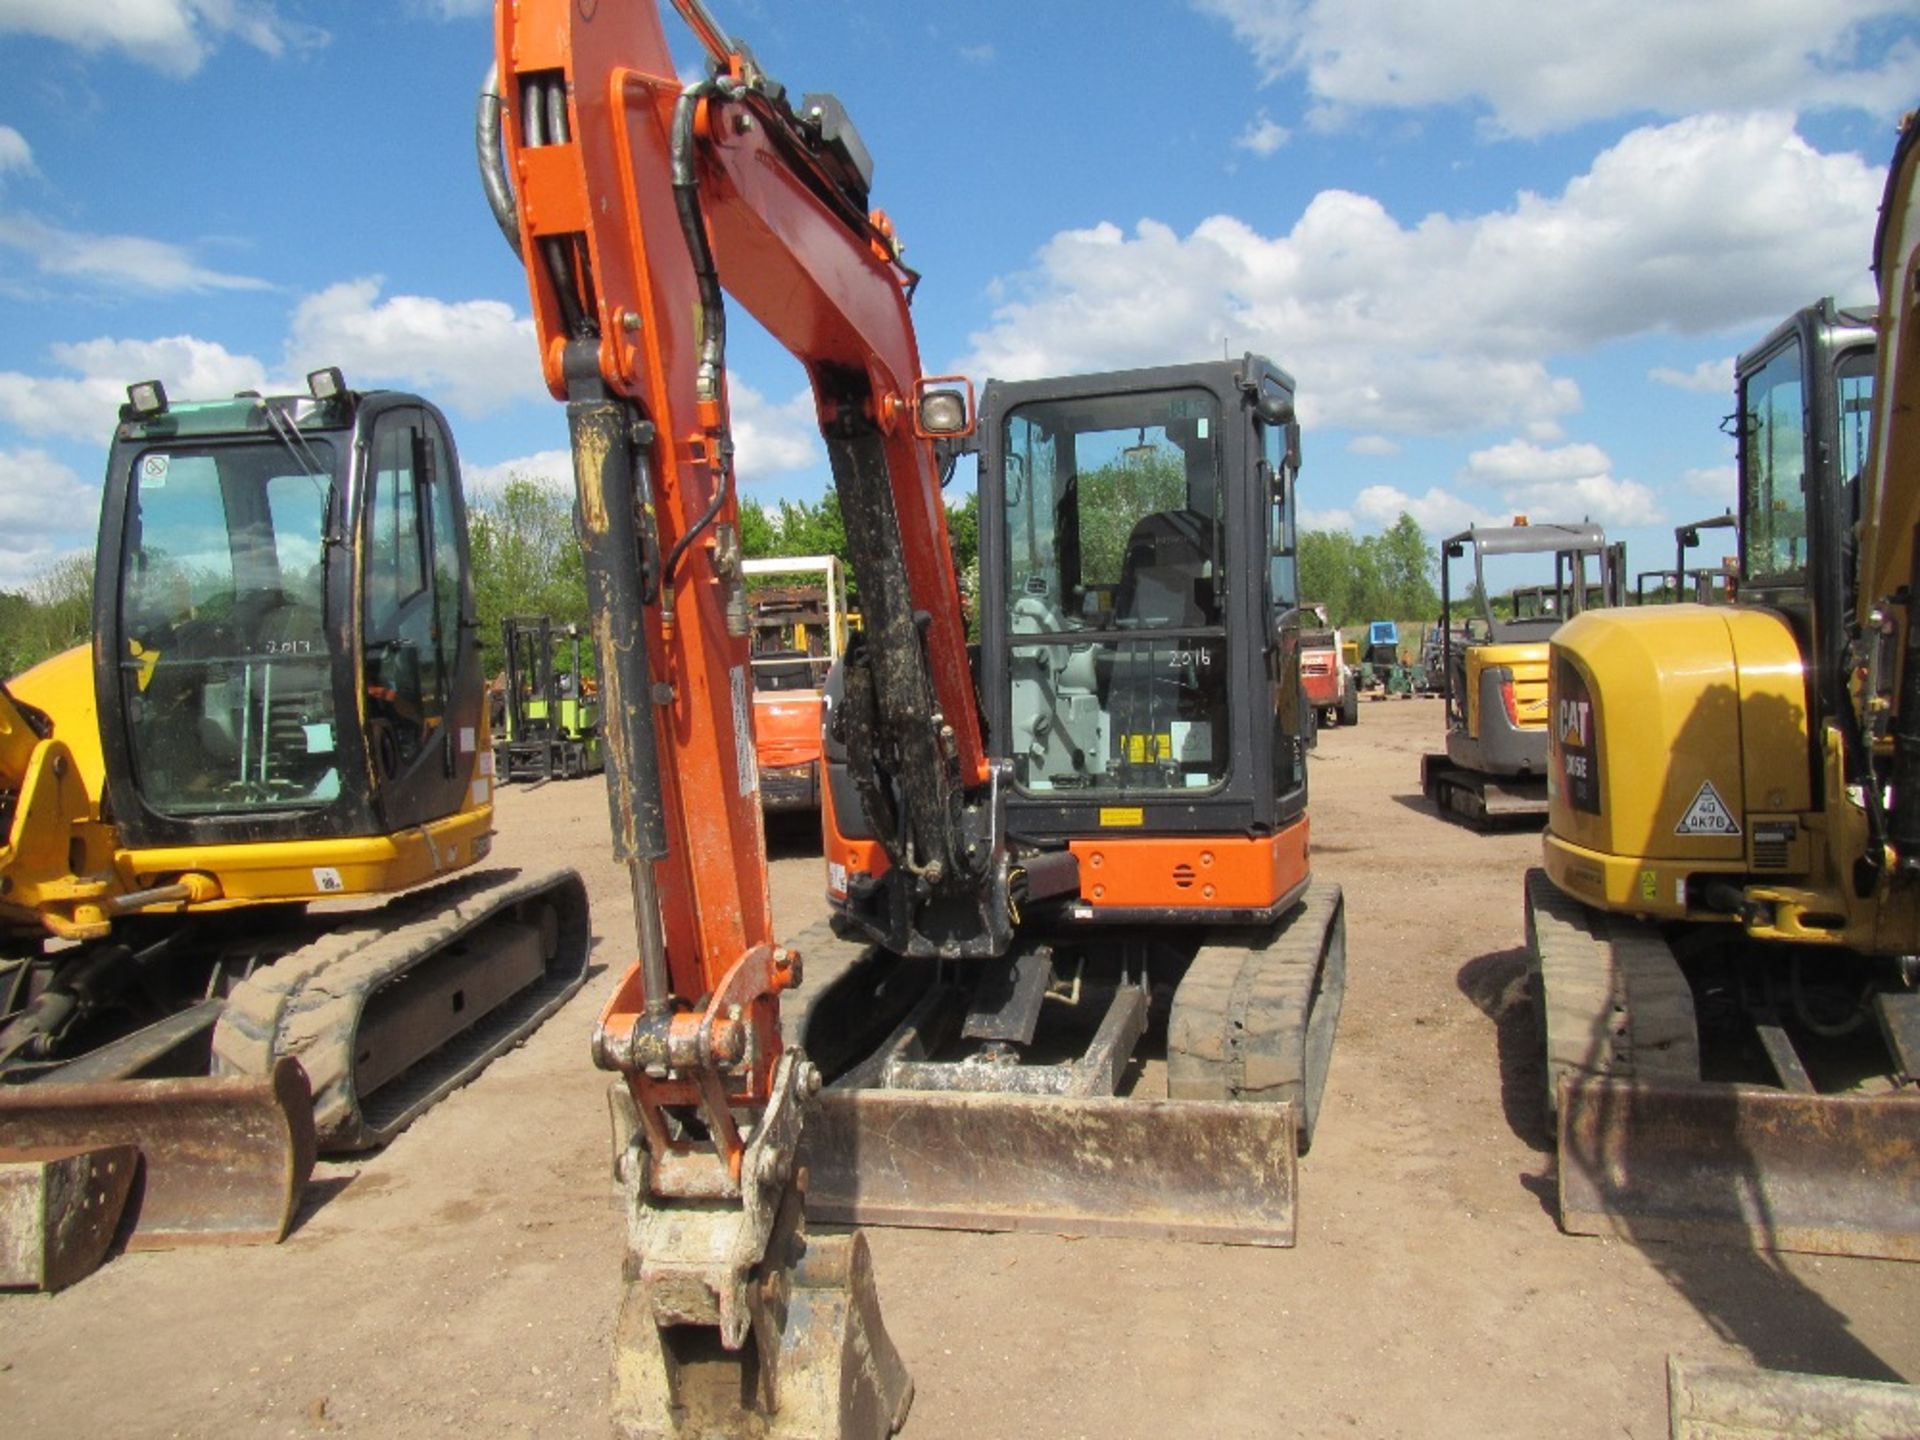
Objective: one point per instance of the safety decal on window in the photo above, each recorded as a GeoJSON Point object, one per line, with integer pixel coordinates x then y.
{"type": "Point", "coordinates": [1707, 815]}
{"type": "Point", "coordinates": [153, 472]}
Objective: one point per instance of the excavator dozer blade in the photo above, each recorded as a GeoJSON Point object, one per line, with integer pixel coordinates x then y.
{"type": "Point", "coordinates": [1741, 1165]}
{"type": "Point", "coordinates": [1726, 1402]}
{"type": "Point", "coordinates": [60, 1207]}
{"type": "Point", "coordinates": [1165, 1169]}
{"type": "Point", "coordinates": [223, 1161]}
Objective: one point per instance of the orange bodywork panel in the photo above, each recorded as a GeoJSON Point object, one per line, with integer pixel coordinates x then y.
{"type": "Point", "coordinates": [1121, 872]}
{"type": "Point", "coordinates": [786, 728]}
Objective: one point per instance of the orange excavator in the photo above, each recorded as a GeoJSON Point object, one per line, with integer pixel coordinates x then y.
{"type": "Point", "coordinates": [1073, 930]}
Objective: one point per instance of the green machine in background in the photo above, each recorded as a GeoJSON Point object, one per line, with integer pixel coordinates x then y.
{"type": "Point", "coordinates": [549, 723]}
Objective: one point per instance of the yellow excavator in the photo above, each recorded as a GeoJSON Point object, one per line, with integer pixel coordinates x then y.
{"type": "Point", "coordinates": [1726, 926]}
{"type": "Point", "coordinates": [1495, 668]}
{"type": "Point", "coordinates": [281, 715]}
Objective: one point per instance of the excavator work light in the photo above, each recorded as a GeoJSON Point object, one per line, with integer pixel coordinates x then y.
{"type": "Point", "coordinates": [327, 384]}
{"type": "Point", "coordinates": [943, 412]}
{"type": "Point", "coordinates": [146, 399]}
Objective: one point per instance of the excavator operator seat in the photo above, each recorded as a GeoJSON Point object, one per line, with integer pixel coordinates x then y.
{"type": "Point", "coordinates": [1166, 584]}
{"type": "Point", "coordinates": [1166, 578]}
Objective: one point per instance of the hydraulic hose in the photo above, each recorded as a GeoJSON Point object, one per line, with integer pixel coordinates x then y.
{"type": "Point", "coordinates": [492, 160]}
{"type": "Point", "coordinates": [710, 379]}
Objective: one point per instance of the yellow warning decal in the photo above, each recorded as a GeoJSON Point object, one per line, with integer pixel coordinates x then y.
{"type": "Point", "coordinates": [1122, 815]}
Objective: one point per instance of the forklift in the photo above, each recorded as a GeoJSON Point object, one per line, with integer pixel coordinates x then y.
{"type": "Point", "coordinates": [549, 726]}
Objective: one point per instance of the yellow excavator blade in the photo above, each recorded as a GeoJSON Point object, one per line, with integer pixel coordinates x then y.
{"type": "Point", "coordinates": [1741, 1165]}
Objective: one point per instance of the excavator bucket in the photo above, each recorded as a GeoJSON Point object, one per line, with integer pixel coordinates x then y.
{"type": "Point", "coordinates": [1165, 1169]}
{"type": "Point", "coordinates": [1741, 1165]}
{"type": "Point", "coordinates": [1726, 1402]}
{"type": "Point", "coordinates": [223, 1161]}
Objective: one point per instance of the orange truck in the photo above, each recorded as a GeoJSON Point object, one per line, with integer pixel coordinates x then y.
{"type": "Point", "coordinates": [799, 632]}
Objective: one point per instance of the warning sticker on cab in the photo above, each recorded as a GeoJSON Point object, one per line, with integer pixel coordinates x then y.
{"type": "Point", "coordinates": [1122, 815]}
{"type": "Point", "coordinates": [1707, 815]}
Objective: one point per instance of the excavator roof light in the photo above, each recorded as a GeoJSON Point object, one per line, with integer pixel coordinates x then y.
{"type": "Point", "coordinates": [146, 399]}
{"type": "Point", "coordinates": [327, 384]}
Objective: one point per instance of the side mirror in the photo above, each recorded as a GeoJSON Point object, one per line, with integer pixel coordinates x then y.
{"type": "Point", "coordinates": [1273, 406]}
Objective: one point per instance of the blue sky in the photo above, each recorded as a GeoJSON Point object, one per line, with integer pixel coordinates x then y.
{"type": "Point", "coordinates": [1507, 248]}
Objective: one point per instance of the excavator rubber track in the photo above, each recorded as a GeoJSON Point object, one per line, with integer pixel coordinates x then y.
{"type": "Point", "coordinates": [1249, 1039]}
{"type": "Point", "coordinates": [1254, 1017]}
{"type": "Point", "coordinates": [1648, 1150]}
{"type": "Point", "coordinates": [400, 1005]}
{"type": "Point", "coordinates": [1480, 799]}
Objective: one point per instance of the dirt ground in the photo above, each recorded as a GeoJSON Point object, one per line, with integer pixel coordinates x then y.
{"type": "Point", "coordinates": [464, 1280]}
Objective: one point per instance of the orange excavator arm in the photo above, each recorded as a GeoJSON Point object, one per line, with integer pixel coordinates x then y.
{"type": "Point", "coordinates": [631, 198]}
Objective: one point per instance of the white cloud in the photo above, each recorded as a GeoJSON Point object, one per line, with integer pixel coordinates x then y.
{"type": "Point", "coordinates": [15, 153]}
{"type": "Point", "coordinates": [46, 511]}
{"type": "Point", "coordinates": [1601, 498]}
{"type": "Point", "coordinates": [1446, 325]}
{"type": "Point", "coordinates": [1262, 137]}
{"type": "Point", "coordinates": [1372, 445]}
{"type": "Point", "coordinates": [472, 355]}
{"type": "Point", "coordinates": [977, 54]}
{"type": "Point", "coordinates": [172, 36]}
{"type": "Point", "coordinates": [1438, 511]}
{"type": "Point", "coordinates": [121, 262]}
{"type": "Point", "coordinates": [1719, 483]}
{"type": "Point", "coordinates": [1709, 377]}
{"type": "Point", "coordinates": [1572, 482]}
{"type": "Point", "coordinates": [1543, 67]}
{"type": "Point", "coordinates": [770, 439]}
{"type": "Point", "coordinates": [1310, 519]}
{"type": "Point", "coordinates": [85, 406]}
{"type": "Point", "coordinates": [550, 469]}
{"type": "Point", "coordinates": [1522, 462]}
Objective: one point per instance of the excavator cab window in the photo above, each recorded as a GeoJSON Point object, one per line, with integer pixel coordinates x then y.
{"type": "Point", "coordinates": [1773, 467]}
{"type": "Point", "coordinates": [410, 593]}
{"type": "Point", "coordinates": [1279, 464]}
{"type": "Point", "coordinates": [226, 675]}
{"type": "Point", "coordinates": [1116, 592]}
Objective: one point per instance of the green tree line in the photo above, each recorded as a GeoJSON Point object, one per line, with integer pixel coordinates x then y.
{"type": "Point", "coordinates": [1361, 578]}
{"type": "Point", "coordinates": [54, 612]}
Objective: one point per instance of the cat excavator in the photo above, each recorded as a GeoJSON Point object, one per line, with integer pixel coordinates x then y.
{"type": "Point", "coordinates": [280, 722]}
{"type": "Point", "coordinates": [1725, 926]}
{"type": "Point", "coordinates": [1077, 974]}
